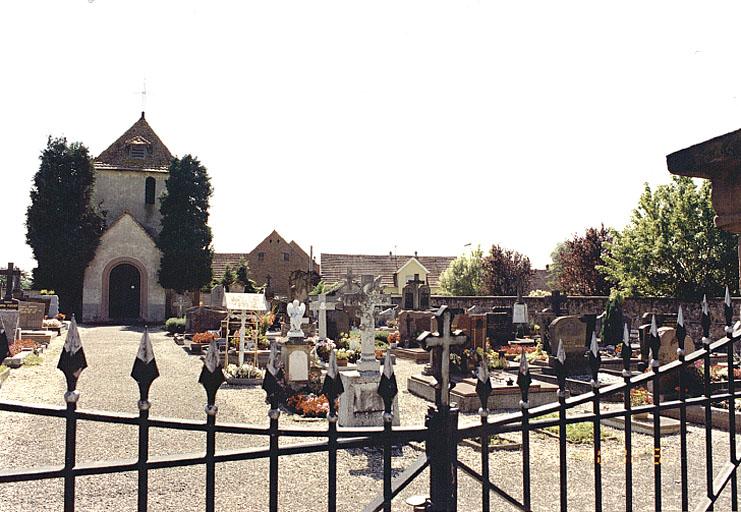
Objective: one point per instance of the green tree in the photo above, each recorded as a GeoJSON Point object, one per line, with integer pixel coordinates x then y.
{"type": "Point", "coordinates": [576, 263]}
{"type": "Point", "coordinates": [229, 277]}
{"type": "Point", "coordinates": [671, 246]}
{"type": "Point", "coordinates": [464, 275]}
{"type": "Point", "coordinates": [63, 228]}
{"type": "Point", "coordinates": [506, 271]}
{"type": "Point", "coordinates": [243, 277]}
{"type": "Point", "coordinates": [185, 238]}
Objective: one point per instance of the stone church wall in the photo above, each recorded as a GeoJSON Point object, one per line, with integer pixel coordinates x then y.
{"type": "Point", "coordinates": [117, 191]}
{"type": "Point", "coordinates": [124, 242]}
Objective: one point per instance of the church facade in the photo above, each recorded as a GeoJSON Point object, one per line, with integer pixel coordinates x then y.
{"type": "Point", "coordinates": [121, 283]}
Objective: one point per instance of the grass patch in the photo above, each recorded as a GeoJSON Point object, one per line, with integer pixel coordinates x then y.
{"type": "Point", "coordinates": [577, 433]}
{"type": "Point", "coordinates": [33, 360]}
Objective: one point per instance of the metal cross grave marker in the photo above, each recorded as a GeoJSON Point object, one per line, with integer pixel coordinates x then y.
{"type": "Point", "coordinates": [441, 342]}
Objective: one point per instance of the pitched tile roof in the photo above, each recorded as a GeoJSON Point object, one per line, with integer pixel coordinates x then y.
{"type": "Point", "coordinates": [334, 266]}
{"type": "Point", "coordinates": [117, 155]}
{"type": "Point", "coordinates": [222, 259]}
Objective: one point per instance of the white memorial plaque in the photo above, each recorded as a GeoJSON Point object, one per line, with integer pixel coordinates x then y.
{"type": "Point", "coordinates": [298, 366]}
{"type": "Point", "coordinates": [519, 314]}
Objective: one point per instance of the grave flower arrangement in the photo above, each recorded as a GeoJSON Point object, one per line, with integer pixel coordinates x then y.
{"type": "Point", "coordinates": [246, 371]}
{"type": "Point", "coordinates": [204, 337]}
{"type": "Point", "coordinates": [51, 323]}
{"type": "Point", "coordinates": [18, 346]}
{"type": "Point", "coordinates": [323, 348]}
{"type": "Point", "coordinates": [308, 405]}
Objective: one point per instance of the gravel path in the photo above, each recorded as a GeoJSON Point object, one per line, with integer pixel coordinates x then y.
{"type": "Point", "coordinates": [106, 385]}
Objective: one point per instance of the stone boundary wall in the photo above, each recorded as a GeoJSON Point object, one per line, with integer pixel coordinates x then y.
{"type": "Point", "coordinates": [633, 308]}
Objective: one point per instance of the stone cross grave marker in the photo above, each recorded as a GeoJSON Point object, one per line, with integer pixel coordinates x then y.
{"type": "Point", "coordinates": [320, 308]}
{"type": "Point", "coordinates": [180, 303]}
{"type": "Point", "coordinates": [441, 342]}
{"type": "Point", "coordinates": [369, 297]}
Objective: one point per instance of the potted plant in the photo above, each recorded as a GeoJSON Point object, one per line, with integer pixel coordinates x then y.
{"type": "Point", "coordinates": [342, 357]}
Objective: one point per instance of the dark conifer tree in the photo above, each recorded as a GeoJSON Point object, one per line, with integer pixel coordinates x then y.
{"type": "Point", "coordinates": [63, 228]}
{"type": "Point", "coordinates": [185, 238]}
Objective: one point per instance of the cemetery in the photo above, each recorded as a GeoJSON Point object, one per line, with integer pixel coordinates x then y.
{"type": "Point", "coordinates": [159, 352]}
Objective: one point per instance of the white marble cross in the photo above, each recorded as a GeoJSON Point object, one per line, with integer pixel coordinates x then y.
{"type": "Point", "coordinates": [180, 303]}
{"type": "Point", "coordinates": [320, 307]}
{"type": "Point", "coordinates": [443, 340]}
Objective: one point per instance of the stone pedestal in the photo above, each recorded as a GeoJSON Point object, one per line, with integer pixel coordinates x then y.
{"type": "Point", "coordinates": [360, 404]}
{"type": "Point", "coordinates": [294, 354]}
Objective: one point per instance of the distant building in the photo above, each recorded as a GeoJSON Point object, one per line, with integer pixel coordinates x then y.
{"type": "Point", "coordinates": [121, 282]}
{"type": "Point", "coordinates": [395, 271]}
{"type": "Point", "coordinates": [273, 259]}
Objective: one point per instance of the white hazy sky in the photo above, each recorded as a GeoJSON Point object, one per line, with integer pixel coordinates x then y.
{"type": "Point", "coordinates": [365, 127]}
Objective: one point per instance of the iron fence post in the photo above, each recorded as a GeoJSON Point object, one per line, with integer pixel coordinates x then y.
{"type": "Point", "coordinates": [387, 436]}
{"type": "Point", "coordinates": [273, 414]}
{"type": "Point", "coordinates": [70, 447]}
{"type": "Point", "coordinates": [708, 421]}
{"type": "Point", "coordinates": [211, 411]}
{"type": "Point", "coordinates": [441, 446]}
{"type": "Point", "coordinates": [143, 455]}
{"type": "Point", "coordinates": [332, 455]}
{"type": "Point", "coordinates": [732, 416]}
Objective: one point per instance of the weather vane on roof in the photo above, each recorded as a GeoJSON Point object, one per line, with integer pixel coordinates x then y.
{"type": "Point", "coordinates": [144, 96]}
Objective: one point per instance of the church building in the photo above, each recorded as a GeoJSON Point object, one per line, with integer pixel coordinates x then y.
{"type": "Point", "coordinates": [121, 281]}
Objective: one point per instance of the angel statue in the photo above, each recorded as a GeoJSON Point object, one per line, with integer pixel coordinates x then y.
{"type": "Point", "coordinates": [296, 312]}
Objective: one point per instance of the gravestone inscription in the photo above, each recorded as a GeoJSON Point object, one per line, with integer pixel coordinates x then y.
{"type": "Point", "coordinates": [31, 315]}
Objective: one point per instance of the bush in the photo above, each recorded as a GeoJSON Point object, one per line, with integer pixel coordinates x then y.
{"type": "Point", "coordinates": [383, 336]}
{"type": "Point", "coordinates": [175, 325]}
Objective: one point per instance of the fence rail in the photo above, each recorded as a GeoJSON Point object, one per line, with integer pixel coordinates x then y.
{"type": "Point", "coordinates": [441, 434]}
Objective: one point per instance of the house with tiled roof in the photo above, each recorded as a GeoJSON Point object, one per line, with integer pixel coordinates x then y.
{"type": "Point", "coordinates": [395, 270]}
{"type": "Point", "coordinates": [121, 281]}
{"type": "Point", "coordinates": [273, 259]}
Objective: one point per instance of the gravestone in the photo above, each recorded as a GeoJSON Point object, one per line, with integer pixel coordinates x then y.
{"type": "Point", "coordinates": [298, 366]}
{"type": "Point", "coordinates": [31, 315]}
{"type": "Point", "coordinates": [499, 325]}
{"type": "Point", "coordinates": [411, 295]}
{"type": "Point", "coordinates": [204, 318]}
{"type": "Point", "coordinates": [424, 297]}
{"type": "Point", "coordinates": [360, 404]}
{"type": "Point", "coordinates": [320, 306]}
{"type": "Point", "coordinates": [9, 318]}
{"type": "Point", "coordinates": [572, 331]}
{"type": "Point", "coordinates": [668, 345]}
{"type": "Point", "coordinates": [217, 296]}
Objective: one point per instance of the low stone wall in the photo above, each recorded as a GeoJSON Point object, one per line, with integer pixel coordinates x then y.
{"type": "Point", "coordinates": [633, 308]}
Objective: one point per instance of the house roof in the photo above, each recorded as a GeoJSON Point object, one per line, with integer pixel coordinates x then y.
{"type": "Point", "coordinates": [221, 260]}
{"type": "Point", "coordinates": [335, 266]}
{"type": "Point", "coordinates": [539, 280]}
{"type": "Point", "coordinates": [141, 134]}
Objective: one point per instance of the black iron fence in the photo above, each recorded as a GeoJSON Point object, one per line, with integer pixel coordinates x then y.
{"type": "Point", "coordinates": [440, 433]}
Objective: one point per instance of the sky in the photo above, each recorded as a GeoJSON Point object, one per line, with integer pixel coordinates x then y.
{"type": "Point", "coordinates": [369, 127]}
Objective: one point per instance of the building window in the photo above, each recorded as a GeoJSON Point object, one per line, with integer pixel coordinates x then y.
{"type": "Point", "coordinates": [149, 186]}
{"type": "Point", "coordinates": [286, 256]}
{"type": "Point", "coordinates": [260, 256]}
{"type": "Point", "coordinates": [138, 151]}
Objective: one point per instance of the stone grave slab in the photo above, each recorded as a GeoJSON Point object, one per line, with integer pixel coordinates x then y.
{"type": "Point", "coordinates": [31, 315]}
{"type": "Point", "coordinates": [644, 424]}
{"type": "Point", "coordinates": [503, 395]}
{"type": "Point", "coordinates": [360, 404]}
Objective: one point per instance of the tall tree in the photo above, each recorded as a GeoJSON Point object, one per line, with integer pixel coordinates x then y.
{"type": "Point", "coordinates": [63, 228]}
{"type": "Point", "coordinates": [576, 263]}
{"type": "Point", "coordinates": [243, 276]}
{"type": "Point", "coordinates": [464, 275]}
{"type": "Point", "coordinates": [506, 272]}
{"type": "Point", "coordinates": [671, 246]}
{"type": "Point", "coordinates": [185, 238]}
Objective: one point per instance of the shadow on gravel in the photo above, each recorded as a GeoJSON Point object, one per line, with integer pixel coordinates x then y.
{"type": "Point", "coordinates": [375, 462]}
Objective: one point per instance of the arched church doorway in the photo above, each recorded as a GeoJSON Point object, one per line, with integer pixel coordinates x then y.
{"type": "Point", "coordinates": [124, 288]}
